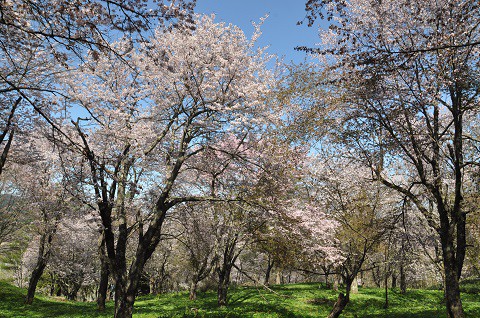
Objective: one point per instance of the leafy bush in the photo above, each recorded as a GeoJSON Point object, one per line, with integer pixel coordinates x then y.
{"type": "Point", "coordinates": [470, 286]}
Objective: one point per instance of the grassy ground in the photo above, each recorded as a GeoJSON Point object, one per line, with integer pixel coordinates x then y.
{"type": "Point", "coordinates": [296, 301]}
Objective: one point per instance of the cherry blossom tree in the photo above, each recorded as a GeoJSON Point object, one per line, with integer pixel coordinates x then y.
{"type": "Point", "coordinates": [279, 245]}
{"type": "Point", "coordinates": [42, 185]}
{"type": "Point", "coordinates": [258, 172]}
{"type": "Point", "coordinates": [181, 91]}
{"type": "Point", "coordinates": [361, 213]}
{"type": "Point", "coordinates": [72, 25]}
{"type": "Point", "coordinates": [197, 234]}
{"type": "Point", "coordinates": [74, 260]}
{"type": "Point", "coordinates": [23, 64]}
{"type": "Point", "coordinates": [408, 83]}
{"type": "Point", "coordinates": [43, 38]}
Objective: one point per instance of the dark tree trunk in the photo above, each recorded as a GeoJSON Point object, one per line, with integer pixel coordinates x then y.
{"type": "Point", "coordinates": [222, 294]}
{"type": "Point", "coordinates": [452, 258]}
{"type": "Point", "coordinates": [34, 278]}
{"type": "Point", "coordinates": [224, 269]}
{"type": "Point", "coordinates": [452, 288]}
{"type": "Point", "coordinates": [223, 284]}
{"type": "Point", "coordinates": [326, 272]}
{"type": "Point", "coordinates": [270, 264]}
{"type": "Point", "coordinates": [342, 300]}
{"type": "Point", "coordinates": [126, 282]}
{"type": "Point", "coordinates": [8, 130]}
{"type": "Point", "coordinates": [201, 270]}
{"type": "Point", "coordinates": [42, 259]}
{"type": "Point", "coordinates": [403, 280]}
{"type": "Point", "coordinates": [103, 286]}
{"type": "Point", "coordinates": [125, 292]}
{"type": "Point", "coordinates": [52, 284]}
{"type": "Point", "coordinates": [124, 306]}
{"type": "Point", "coordinates": [394, 280]}
{"type": "Point", "coordinates": [385, 306]}
{"type": "Point", "coordinates": [452, 219]}
{"type": "Point", "coordinates": [104, 275]}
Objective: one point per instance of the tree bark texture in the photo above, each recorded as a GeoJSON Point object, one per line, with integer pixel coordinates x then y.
{"type": "Point", "coordinates": [193, 290]}
{"type": "Point", "coordinates": [342, 301]}
{"type": "Point", "coordinates": [403, 280]}
{"type": "Point", "coordinates": [34, 278]}
{"type": "Point", "coordinates": [452, 287]}
{"type": "Point", "coordinates": [104, 274]}
{"type": "Point", "coordinates": [103, 285]}
{"type": "Point", "coordinates": [224, 269]}
{"type": "Point", "coordinates": [223, 284]}
{"type": "Point", "coordinates": [270, 264]}
{"type": "Point", "coordinates": [386, 292]}
{"type": "Point", "coordinates": [42, 259]}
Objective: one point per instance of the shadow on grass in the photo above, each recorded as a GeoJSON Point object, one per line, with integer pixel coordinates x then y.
{"type": "Point", "coordinates": [295, 301]}
{"type": "Point", "coordinates": [12, 306]}
{"type": "Point", "coordinates": [242, 303]}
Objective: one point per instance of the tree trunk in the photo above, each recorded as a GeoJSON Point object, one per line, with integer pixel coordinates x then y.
{"type": "Point", "coordinates": [385, 306]}
{"type": "Point", "coordinates": [278, 277]}
{"type": "Point", "coordinates": [126, 282]}
{"type": "Point", "coordinates": [193, 290]}
{"type": "Point", "coordinates": [52, 285]}
{"type": "Point", "coordinates": [124, 305]}
{"type": "Point", "coordinates": [103, 286]}
{"type": "Point", "coordinates": [222, 293]}
{"type": "Point", "coordinates": [394, 280]}
{"type": "Point", "coordinates": [223, 284]}
{"type": "Point", "coordinates": [42, 258]}
{"type": "Point", "coordinates": [376, 277]}
{"type": "Point", "coordinates": [125, 292]}
{"type": "Point", "coordinates": [153, 285]}
{"type": "Point", "coordinates": [270, 264]}
{"type": "Point", "coordinates": [452, 288]}
{"type": "Point", "coordinates": [8, 129]}
{"type": "Point", "coordinates": [342, 300]}
{"type": "Point", "coordinates": [403, 280]}
{"type": "Point", "coordinates": [34, 278]}
{"type": "Point", "coordinates": [354, 285]}
{"type": "Point", "coordinates": [451, 261]}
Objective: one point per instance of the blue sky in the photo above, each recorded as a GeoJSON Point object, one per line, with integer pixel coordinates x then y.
{"type": "Point", "coordinates": [279, 31]}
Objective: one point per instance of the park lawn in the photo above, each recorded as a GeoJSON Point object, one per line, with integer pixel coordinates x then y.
{"type": "Point", "coordinates": [296, 301]}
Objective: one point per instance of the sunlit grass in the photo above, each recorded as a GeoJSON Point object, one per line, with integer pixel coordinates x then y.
{"type": "Point", "coordinates": [296, 300]}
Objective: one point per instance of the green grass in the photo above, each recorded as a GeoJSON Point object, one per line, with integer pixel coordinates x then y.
{"type": "Point", "coordinates": [295, 301]}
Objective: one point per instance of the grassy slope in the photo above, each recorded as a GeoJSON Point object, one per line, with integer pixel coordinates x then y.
{"type": "Point", "coordinates": [302, 300]}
